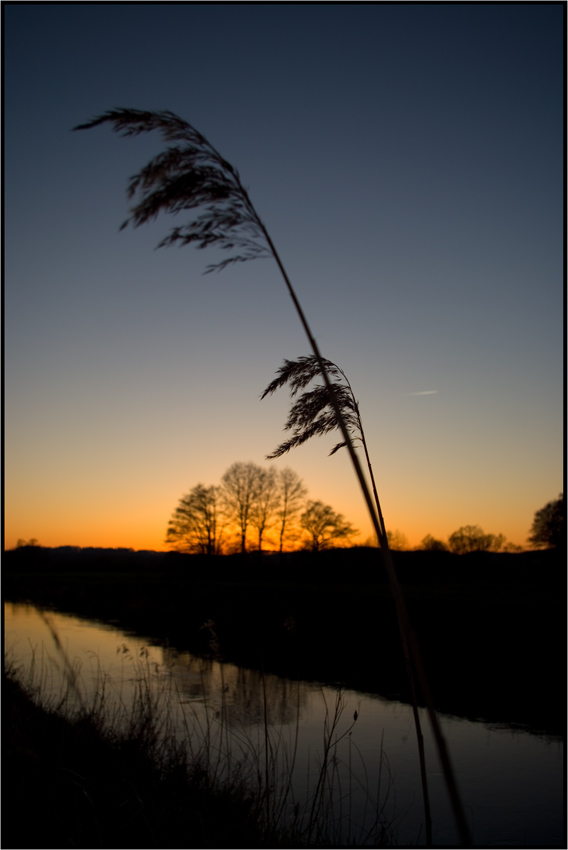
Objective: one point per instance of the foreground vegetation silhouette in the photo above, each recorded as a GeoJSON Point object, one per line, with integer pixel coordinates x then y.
{"type": "Point", "coordinates": [191, 175]}
{"type": "Point", "coordinates": [93, 775]}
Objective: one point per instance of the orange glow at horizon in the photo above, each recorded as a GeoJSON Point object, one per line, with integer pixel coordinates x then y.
{"type": "Point", "coordinates": [147, 531]}
{"type": "Point", "coordinates": [116, 505]}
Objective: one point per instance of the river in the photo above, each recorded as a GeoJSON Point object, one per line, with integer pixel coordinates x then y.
{"type": "Point", "coordinates": [511, 781]}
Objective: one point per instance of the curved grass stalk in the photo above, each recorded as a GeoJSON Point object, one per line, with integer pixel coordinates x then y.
{"type": "Point", "coordinates": [310, 416]}
{"type": "Point", "coordinates": [191, 175]}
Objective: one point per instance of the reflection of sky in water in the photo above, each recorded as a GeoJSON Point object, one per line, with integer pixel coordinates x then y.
{"type": "Point", "coordinates": [511, 782]}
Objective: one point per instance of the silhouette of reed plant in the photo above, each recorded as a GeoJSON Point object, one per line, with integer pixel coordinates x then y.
{"type": "Point", "coordinates": [311, 415]}
{"type": "Point", "coordinates": [191, 175]}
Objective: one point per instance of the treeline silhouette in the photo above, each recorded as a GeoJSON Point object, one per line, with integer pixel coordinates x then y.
{"type": "Point", "coordinates": [351, 564]}
{"type": "Point", "coordinates": [254, 506]}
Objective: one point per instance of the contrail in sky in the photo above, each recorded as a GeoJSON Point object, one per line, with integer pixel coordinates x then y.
{"type": "Point", "coordinates": [424, 392]}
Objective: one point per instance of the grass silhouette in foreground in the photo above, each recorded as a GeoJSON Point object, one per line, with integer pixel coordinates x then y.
{"type": "Point", "coordinates": [95, 775]}
{"type": "Point", "coordinates": [73, 783]}
{"type": "Point", "coordinates": [191, 175]}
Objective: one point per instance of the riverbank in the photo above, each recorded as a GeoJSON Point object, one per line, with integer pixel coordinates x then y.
{"type": "Point", "coordinates": [82, 770]}
{"type": "Point", "coordinates": [492, 627]}
{"type": "Point", "coordinates": [69, 784]}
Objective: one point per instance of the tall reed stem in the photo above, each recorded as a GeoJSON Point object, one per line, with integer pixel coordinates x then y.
{"type": "Point", "coordinates": [410, 644]}
{"type": "Point", "coordinates": [407, 661]}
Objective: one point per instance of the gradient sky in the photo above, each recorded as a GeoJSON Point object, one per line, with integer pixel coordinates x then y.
{"type": "Point", "coordinates": [408, 163]}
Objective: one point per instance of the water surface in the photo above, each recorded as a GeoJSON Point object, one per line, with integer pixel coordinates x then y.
{"type": "Point", "coordinates": [511, 781]}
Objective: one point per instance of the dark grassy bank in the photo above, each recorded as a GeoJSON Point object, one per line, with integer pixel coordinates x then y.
{"type": "Point", "coordinates": [68, 784]}
{"type": "Point", "coordinates": [492, 627]}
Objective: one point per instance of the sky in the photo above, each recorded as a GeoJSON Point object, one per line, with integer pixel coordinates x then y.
{"type": "Point", "coordinates": [408, 162]}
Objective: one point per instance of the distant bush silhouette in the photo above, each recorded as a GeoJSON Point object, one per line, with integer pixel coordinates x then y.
{"type": "Point", "coordinates": [549, 526]}
{"type": "Point", "coordinates": [31, 542]}
{"type": "Point", "coordinates": [430, 544]}
{"type": "Point", "coordinates": [397, 539]}
{"type": "Point", "coordinates": [471, 538]}
{"type": "Point", "coordinates": [511, 547]}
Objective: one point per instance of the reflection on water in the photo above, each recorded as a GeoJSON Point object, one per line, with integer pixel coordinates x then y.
{"type": "Point", "coordinates": [248, 697]}
{"type": "Point", "coordinates": [511, 782]}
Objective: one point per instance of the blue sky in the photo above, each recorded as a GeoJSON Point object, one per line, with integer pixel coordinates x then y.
{"type": "Point", "coordinates": [408, 161]}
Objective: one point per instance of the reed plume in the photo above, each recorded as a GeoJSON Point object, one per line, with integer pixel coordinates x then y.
{"type": "Point", "coordinates": [314, 414]}
{"type": "Point", "coordinates": [190, 175]}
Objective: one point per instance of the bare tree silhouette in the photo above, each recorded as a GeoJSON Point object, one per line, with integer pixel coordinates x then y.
{"type": "Point", "coordinates": [192, 175]}
{"type": "Point", "coordinates": [265, 503]}
{"type": "Point", "coordinates": [292, 493]}
{"type": "Point", "coordinates": [241, 488]}
{"type": "Point", "coordinates": [196, 523]}
{"type": "Point", "coordinates": [324, 526]}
